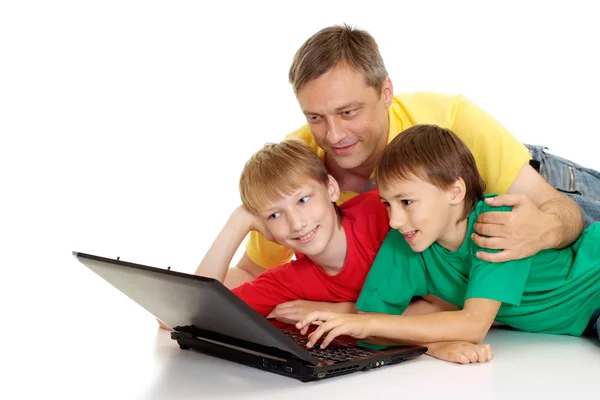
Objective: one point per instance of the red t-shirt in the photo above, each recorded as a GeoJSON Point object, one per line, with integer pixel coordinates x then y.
{"type": "Point", "coordinates": [365, 222]}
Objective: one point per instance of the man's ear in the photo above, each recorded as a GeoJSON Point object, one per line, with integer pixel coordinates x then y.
{"type": "Point", "coordinates": [457, 192]}
{"type": "Point", "coordinates": [333, 189]}
{"type": "Point", "coordinates": [387, 91]}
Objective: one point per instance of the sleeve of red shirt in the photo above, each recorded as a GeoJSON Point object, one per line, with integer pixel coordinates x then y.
{"type": "Point", "coordinates": [273, 287]}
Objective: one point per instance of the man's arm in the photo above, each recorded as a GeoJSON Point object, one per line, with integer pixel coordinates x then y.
{"type": "Point", "coordinates": [541, 218]}
{"type": "Point", "coordinates": [551, 202]}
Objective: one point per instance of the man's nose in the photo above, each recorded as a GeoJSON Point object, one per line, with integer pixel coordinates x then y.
{"type": "Point", "coordinates": [335, 133]}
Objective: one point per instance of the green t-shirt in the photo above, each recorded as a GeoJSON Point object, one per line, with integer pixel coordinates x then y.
{"type": "Point", "coordinates": [554, 291]}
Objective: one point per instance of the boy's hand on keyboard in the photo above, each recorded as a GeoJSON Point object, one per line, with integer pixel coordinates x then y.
{"type": "Point", "coordinates": [293, 311]}
{"type": "Point", "coordinates": [461, 352]}
{"type": "Point", "coordinates": [334, 325]}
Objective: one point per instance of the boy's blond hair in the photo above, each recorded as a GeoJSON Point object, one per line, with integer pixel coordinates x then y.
{"type": "Point", "coordinates": [434, 155]}
{"type": "Point", "coordinates": [335, 45]}
{"type": "Point", "coordinates": [278, 170]}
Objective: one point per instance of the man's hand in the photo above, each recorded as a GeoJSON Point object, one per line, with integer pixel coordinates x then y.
{"type": "Point", "coordinates": [461, 352]}
{"type": "Point", "coordinates": [337, 324]}
{"type": "Point", "coordinates": [520, 233]}
{"type": "Point", "coordinates": [293, 311]}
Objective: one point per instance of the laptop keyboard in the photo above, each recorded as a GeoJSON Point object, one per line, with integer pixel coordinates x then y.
{"type": "Point", "coordinates": [337, 354]}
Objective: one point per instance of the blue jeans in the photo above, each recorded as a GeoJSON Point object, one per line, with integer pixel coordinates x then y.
{"type": "Point", "coordinates": [593, 328]}
{"type": "Point", "coordinates": [579, 183]}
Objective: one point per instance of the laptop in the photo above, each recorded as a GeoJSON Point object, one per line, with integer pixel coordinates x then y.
{"type": "Point", "coordinates": [209, 318]}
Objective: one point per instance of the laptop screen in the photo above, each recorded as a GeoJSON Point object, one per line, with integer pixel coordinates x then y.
{"type": "Point", "coordinates": [181, 299]}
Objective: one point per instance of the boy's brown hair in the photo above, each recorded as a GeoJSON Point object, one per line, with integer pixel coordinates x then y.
{"type": "Point", "coordinates": [278, 170]}
{"type": "Point", "coordinates": [432, 154]}
{"type": "Point", "coordinates": [334, 45]}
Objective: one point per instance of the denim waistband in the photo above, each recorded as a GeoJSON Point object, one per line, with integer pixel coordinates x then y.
{"type": "Point", "coordinates": [592, 327]}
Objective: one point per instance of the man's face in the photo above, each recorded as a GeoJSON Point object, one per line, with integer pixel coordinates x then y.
{"type": "Point", "coordinates": [347, 118]}
{"type": "Point", "coordinates": [305, 221]}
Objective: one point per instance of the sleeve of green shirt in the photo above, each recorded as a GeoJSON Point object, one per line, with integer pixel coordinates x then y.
{"type": "Point", "coordinates": [397, 274]}
{"type": "Point", "coordinates": [504, 282]}
{"type": "Point", "coordinates": [501, 281]}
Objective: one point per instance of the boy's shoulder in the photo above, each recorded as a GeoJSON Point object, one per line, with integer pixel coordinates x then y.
{"type": "Point", "coordinates": [368, 216]}
{"type": "Point", "coordinates": [483, 207]}
{"type": "Point", "coordinates": [364, 201]}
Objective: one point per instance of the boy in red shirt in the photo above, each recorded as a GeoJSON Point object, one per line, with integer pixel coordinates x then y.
{"type": "Point", "coordinates": [288, 196]}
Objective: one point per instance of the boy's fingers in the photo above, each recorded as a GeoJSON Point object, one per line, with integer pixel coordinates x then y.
{"type": "Point", "coordinates": [462, 359]}
{"type": "Point", "coordinates": [471, 355]}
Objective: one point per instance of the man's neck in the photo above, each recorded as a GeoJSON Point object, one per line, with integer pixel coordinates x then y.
{"type": "Point", "coordinates": [355, 179]}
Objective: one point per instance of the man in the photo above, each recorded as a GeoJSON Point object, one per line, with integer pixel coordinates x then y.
{"type": "Point", "coordinates": [344, 91]}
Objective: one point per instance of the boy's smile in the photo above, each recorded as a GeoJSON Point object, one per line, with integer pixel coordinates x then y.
{"type": "Point", "coordinates": [305, 239]}
{"type": "Point", "coordinates": [410, 236]}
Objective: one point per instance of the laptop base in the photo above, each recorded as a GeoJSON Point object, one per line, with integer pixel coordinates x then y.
{"type": "Point", "coordinates": [288, 366]}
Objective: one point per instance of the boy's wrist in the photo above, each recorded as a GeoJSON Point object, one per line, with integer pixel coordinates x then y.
{"type": "Point", "coordinates": [241, 218]}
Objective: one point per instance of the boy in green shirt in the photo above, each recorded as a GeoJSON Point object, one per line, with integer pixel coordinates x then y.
{"type": "Point", "coordinates": [429, 182]}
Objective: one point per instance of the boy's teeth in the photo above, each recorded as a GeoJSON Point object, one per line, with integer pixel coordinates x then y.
{"type": "Point", "coordinates": [309, 234]}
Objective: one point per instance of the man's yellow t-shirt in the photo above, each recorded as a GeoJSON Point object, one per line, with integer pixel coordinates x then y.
{"type": "Point", "coordinates": [498, 154]}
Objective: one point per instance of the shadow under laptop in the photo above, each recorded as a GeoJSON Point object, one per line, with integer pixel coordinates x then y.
{"type": "Point", "coordinates": [187, 373]}
{"type": "Point", "coordinates": [190, 373]}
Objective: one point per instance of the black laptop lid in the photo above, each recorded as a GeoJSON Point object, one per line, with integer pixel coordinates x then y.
{"type": "Point", "coordinates": [180, 299]}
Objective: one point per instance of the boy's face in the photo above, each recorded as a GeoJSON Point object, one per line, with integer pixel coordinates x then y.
{"type": "Point", "coordinates": [422, 212]}
{"type": "Point", "coordinates": [347, 118]}
{"type": "Point", "coordinates": [305, 221]}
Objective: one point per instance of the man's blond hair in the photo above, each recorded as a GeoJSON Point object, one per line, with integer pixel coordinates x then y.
{"type": "Point", "coordinates": [336, 45]}
{"type": "Point", "coordinates": [278, 170]}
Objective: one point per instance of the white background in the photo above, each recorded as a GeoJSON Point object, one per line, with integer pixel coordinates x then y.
{"type": "Point", "coordinates": [125, 124]}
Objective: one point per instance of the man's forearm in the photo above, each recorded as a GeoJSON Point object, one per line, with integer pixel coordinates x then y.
{"type": "Point", "coordinates": [566, 222]}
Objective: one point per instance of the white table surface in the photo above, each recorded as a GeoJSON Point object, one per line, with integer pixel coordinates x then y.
{"type": "Point", "coordinates": [92, 342]}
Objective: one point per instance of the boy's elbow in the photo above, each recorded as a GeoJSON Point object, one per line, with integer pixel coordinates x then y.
{"type": "Point", "coordinates": [477, 329]}
{"type": "Point", "coordinates": [478, 335]}
{"type": "Point", "coordinates": [480, 331]}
